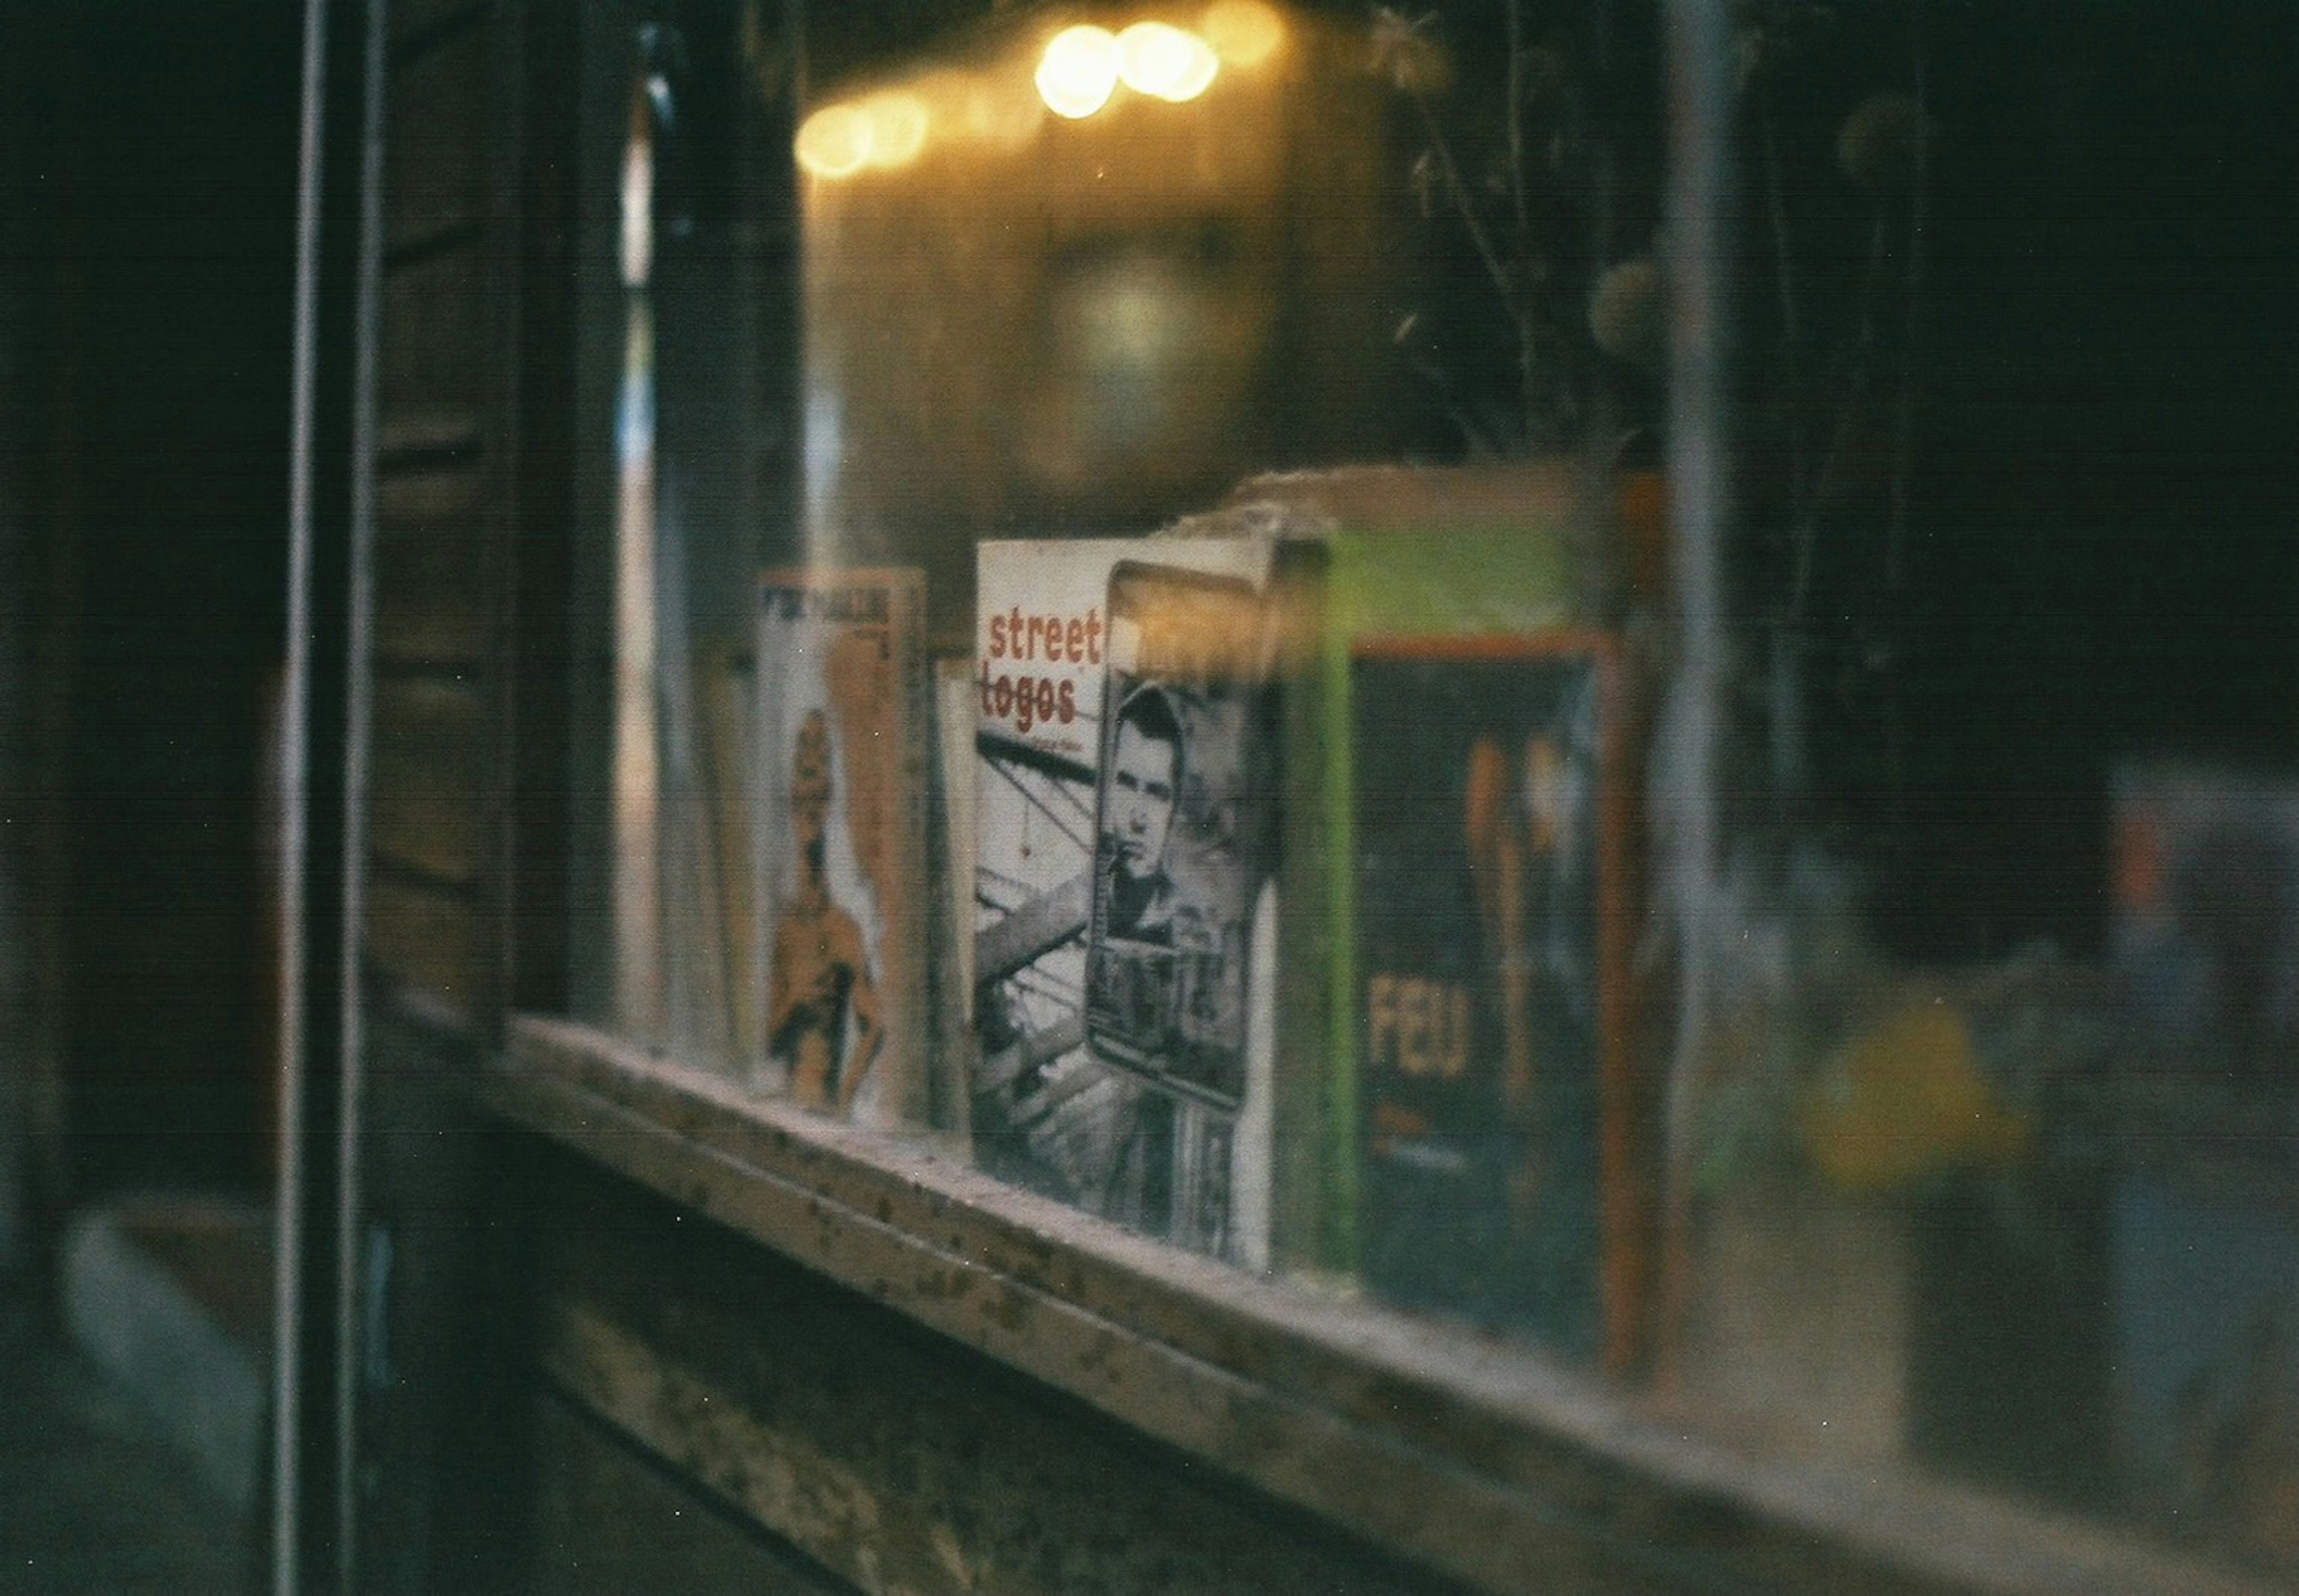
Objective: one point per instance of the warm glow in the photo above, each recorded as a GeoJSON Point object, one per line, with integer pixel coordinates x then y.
{"type": "Point", "coordinates": [947, 99]}
{"type": "Point", "coordinates": [1000, 114]}
{"type": "Point", "coordinates": [885, 130]}
{"type": "Point", "coordinates": [898, 128]}
{"type": "Point", "coordinates": [1165, 63]}
{"type": "Point", "coordinates": [1242, 32]}
{"type": "Point", "coordinates": [834, 142]}
{"type": "Point", "coordinates": [963, 106]}
{"type": "Point", "coordinates": [1078, 72]}
{"type": "Point", "coordinates": [637, 251]}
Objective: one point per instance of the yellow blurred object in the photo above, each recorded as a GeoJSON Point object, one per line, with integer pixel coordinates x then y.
{"type": "Point", "coordinates": [1078, 71]}
{"type": "Point", "coordinates": [898, 128]}
{"type": "Point", "coordinates": [1165, 63]}
{"type": "Point", "coordinates": [1904, 1099]}
{"type": "Point", "coordinates": [834, 142]}
{"type": "Point", "coordinates": [1242, 32]}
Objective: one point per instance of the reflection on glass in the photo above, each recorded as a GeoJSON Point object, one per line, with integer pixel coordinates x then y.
{"type": "Point", "coordinates": [1078, 72]}
{"type": "Point", "coordinates": [1983, 1166]}
{"type": "Point", "coordinates": [1244, 33]}
{"type": "Point", "coordinates": [835, 141]}
{"type": "Point", "coordinates": [637, 894]}
{"type": "Point", "coordinates": [675, 899]}
{"type": "Point", "coordinates": [1166, 63]}
{"type": "Point", "coordinates": [1091, 276]}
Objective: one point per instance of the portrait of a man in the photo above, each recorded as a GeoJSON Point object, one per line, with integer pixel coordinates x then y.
{"type": "Point", "coordinates": [1144, 782]}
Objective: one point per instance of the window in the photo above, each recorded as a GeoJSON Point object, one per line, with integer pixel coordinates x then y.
{"type": "Point", "coordinates": [1167, 645]}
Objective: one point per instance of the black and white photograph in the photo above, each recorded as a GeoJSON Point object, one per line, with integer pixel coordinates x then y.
{"type": "Point", "coordinates": [1126, 799]}
{"type": "Point", "coordinates": [1185, 808]}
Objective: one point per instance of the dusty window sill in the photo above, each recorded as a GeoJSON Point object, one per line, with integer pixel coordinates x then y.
{"type": "Point", "coordinates": [1484, 1460]}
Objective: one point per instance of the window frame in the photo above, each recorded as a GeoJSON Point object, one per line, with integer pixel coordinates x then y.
{"type": "Point", "coordinates": [1490, 1462]}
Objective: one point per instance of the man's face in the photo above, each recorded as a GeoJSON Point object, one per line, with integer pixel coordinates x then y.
{"type": "Point", "coordinates": [1141, 800]}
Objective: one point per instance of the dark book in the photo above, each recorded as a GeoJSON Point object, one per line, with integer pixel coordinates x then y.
{"type": "Point", "coordinates": [1487, 821]}
{"type": "Point", "coordinates": [2204, 1221]}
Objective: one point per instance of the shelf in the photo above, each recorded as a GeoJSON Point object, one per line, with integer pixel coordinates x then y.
{"type": "Point", "coordinates": [1486, 1460]}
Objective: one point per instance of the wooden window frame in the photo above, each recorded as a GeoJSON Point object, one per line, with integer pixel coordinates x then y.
{"type": "Point", "coordinates": [1490, 1462]}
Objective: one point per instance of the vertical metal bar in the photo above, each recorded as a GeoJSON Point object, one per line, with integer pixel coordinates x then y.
{"type": "Point", "coordinates": [1699, 230]}
{"type": "Point", "coordinates": [642, 998]}
{"type": "Point", "coordinates": [295, 716]}
{"type": "Point", "coordinates": [351, 1120]}
{"type": "Point", "coordinates": [1698, 43]}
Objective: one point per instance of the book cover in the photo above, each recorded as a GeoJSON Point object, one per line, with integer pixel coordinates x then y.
{"type": "Point", "coordinates": [2204, 1221]}
{"type": "Point", "coordinates": [1125, 847]}
{"type": "Point", "coordinates": [1487, 979]}
{"type": "Point", "coordinates": [727, 717]}
{"type": "Point", "coordinates": [951, 865]}
{"type": "Point", "coordinates": [842, 843]}
{"type": "Point", "coordinates": [1437, 579]}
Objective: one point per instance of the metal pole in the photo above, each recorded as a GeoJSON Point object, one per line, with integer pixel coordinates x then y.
{"type": "Point", "coordinates": [1698, 56]}
{"type": "Point", "coordinates": [351, 1327]}
{"type": "Point", "coordinates": [295, 718]}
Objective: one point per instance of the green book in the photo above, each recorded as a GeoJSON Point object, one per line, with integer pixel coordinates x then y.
{"type": "Point", "coordinates": [1437, 582]}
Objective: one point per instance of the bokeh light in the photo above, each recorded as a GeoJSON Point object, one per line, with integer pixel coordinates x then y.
{"type": "Point", "coordinates": [1165, 63]}
{"type": "Point", "coordinates": [834, 142]}
{"type": "Point", "coordinates": [1078, 72]}
{"type": "Point", "coordinates": [898, 128]}
{"type": "Point", "coordinates": [1243, 33]}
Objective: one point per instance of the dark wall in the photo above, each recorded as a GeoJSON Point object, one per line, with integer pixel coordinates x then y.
{"type": "Point", "coordinates": [2098, 560]}
{"type": "Point", "coordinates": [153, 211]}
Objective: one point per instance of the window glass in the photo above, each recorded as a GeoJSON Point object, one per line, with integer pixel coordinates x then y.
{"type": "Point", "coordinates": [1156, 637]}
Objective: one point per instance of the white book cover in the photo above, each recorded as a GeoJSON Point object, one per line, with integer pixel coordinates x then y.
{"type": "Point", "coordinates": [1125, 825]}
{"type": "Point", "coordinates": [841, 799]}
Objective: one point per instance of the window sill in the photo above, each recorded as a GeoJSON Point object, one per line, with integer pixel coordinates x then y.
{"type": "Point", "coordinates": [1485, 1460]}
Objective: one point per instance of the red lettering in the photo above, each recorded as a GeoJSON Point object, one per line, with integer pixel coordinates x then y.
{"type": "Point", "coordinates": [1093, 637]}
{"type": "Point", "coordinates": [1074, 642]}
{"type": "Point", "coordinates": [1014, 632]}
{"type": "Point", "coordinates": [997, 636]}
{"type": "Point", "coordinates": [1028, 701]}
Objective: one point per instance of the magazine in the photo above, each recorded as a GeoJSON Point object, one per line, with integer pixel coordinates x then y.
{"type": "Point", "coordinates": [1126, 806]}
{"type": "Point", "coordinates": [1489, 968]}
{"type": "Point", "coordinates": [841, 845]}
{"type": "Point", "coordinates": [1431, 633]}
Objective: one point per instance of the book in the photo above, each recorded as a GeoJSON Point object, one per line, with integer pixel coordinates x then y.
{"type": "Point", "coordinates": [2202, 1309]}
{"type": "Point", "coordinates": [951, 865]}
{"type": "Point", "coordinates": [726, 719]}
{"type": "Point", "coordinates": [841, 834]}
{"type": "Point", "coordinates": [1126, 805]}
{"type": "Point", "coordinates": [2206, 937]}
{"type": "Point", "coordinates": [1488, 974]}
{"type": "Point", "coordinates": [1502, 572]}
